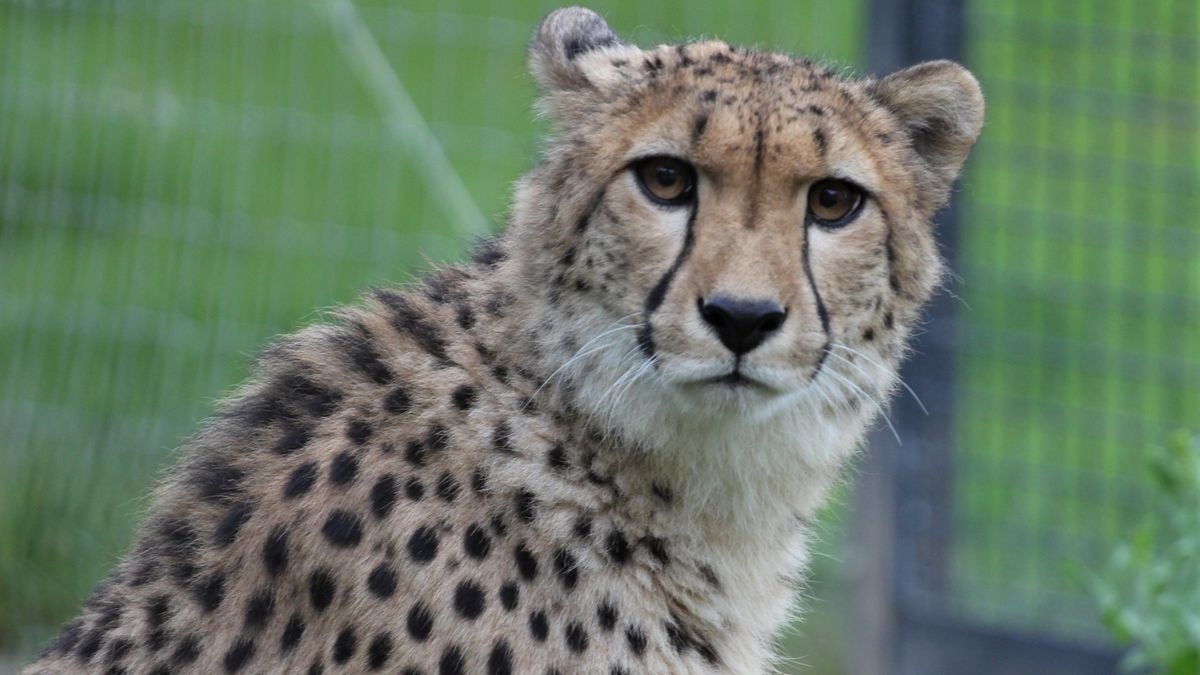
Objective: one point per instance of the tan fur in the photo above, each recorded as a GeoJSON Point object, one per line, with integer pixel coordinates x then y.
{"type": "Point", "coordinates": [536, 397]}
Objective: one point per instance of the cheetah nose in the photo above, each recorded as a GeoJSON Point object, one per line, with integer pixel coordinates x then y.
{"type": "Point", "coordinates": [741, 325]}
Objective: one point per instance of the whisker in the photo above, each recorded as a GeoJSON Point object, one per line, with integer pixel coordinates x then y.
{"type": "Point", "coordinates": [580, 353]}
{"type": "Point", "coordinates": [885, 369]}
{"type": "Point", "coordinates": [887, 418]}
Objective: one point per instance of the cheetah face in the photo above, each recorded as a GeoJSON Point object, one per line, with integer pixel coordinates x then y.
{"type": "Point", "coordinates": [758, 218]}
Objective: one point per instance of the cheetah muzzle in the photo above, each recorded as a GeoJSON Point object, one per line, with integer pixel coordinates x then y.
{"type": "Point", "coordinates": [595, 447]}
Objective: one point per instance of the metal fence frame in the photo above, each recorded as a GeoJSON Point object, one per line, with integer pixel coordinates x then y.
{"type": "Point", "coordinates": [903, 532]}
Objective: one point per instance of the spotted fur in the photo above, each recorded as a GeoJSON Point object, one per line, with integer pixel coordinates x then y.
{"type": "Point", "coordinates": [524, 464]}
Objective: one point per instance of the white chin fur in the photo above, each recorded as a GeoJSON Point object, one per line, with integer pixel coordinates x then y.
{"type": "Point", "coordinates": [742, 451]}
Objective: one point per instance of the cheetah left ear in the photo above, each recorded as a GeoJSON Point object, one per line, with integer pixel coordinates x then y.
{"type": "Point", "coordinates": [562, 44]}
{"type": "Point", "coordinates": [941, 106]}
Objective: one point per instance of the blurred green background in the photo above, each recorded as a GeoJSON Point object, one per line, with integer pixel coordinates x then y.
{"type": "Point", "coordinates": [181, 180]}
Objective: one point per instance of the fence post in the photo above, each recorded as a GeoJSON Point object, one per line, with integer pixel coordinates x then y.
{"type": "Point", "coordinates": [903, 503]}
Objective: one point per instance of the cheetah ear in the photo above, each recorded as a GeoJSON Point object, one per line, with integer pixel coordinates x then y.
{"type": "Point", "coordinates": [560, 47]}
{"type": "Point", "coordinates": [941, 106]}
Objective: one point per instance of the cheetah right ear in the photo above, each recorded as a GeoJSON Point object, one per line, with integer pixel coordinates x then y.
{"type": "Point", "coordinates": [941, 107]}
{"type": "Point", "coordinates": [560, 54]}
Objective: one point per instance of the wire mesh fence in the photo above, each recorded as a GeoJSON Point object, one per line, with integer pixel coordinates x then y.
{"type": "Point", "coordinates": [1077, 328]}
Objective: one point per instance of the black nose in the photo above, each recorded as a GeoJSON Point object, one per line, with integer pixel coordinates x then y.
{"type": "Point", "coordinates": [742, 325]}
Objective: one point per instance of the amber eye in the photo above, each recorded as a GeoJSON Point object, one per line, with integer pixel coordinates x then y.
{"type": "Point", "coordinates": [666, 180]}
{"type": "Point", "coordinates": [833, 202]}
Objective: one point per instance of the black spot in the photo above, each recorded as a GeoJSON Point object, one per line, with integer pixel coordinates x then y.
{"type": "Point", "coordinates": [576, 637]}
{"type": "Point", "coordinates": [359, 431]}
{"type": "Point", "coordinates": [675, 635]}
{"type": "Point", "coordinates": [259, 608]}
{"type": "Point", "coordinates": [317, 668]}
{"type": "Point", "coordinates": [420, 622]}
{"type": "Point", "coordinates": [498, 525]}
{"type": "Point", "coordinates": [294, 438]}
{"type": "Point", "coordinates": [397, 401]}
{"type": "Point", "coordinates": [464, 397]}
{"type": "Point", "coordinates": [706, 652]}
{"type": "Point", "coordinates": [526, 563]}
{"type": "Point", "coordinates": [415, 453]}
{"type": "Point", "coordinates": [178, 538]}
{"type": "Point", "coordinates": [607, 614]}
{"type": "Point", "coordinates": [888, 320]}
{"type": "Point", "coordinates": [868, 335]}
{"type": "Point", "coordinates": [409, 320]}
{"type": "Point", "coordinates": [479, 481]}
{"type": "Point", "coordinates": [658, 548]}
{"type": "Point", "coordinates": [476, 542]}
{"type": "Point", "coordinates": [211, 591]}
{"type": "Point", "coordinates": [414, 490]}
{"type": "Point", "coordinates": [379, 651]}
{"type": "Point", "coordinates": [158, 611]}
{"type": "Point", "coordinates": [363, 356]}
{"type": "Point", "coordinates": [539, 626]}
{"type": "Point", "coordinates": [469, 600]}
{"type": "Point", "coordinates": [423, 545]}
{"type": "Point", "coordinates": [448, 488]}
{"type": "Point", "coordinates": [90, 645]}
{"type": "Point", "coordinates": [526, 505]}
{"type": "Point", "coordinates": [275, 553]}
{"type": "Point", "coordinates": [383, 496]}
{"type": "Point", "coordinates": [231, 523]}
{"type": "Point", "coordinates": [502, 438]}
{"type": "Point", "coordinates": [710, 576]}
{"type": "Point", "coordinates": [509, 596]}
{"type": "Point", "coordinates": [816, 110]}
{"type": "Point", "coordinates": [215, 479]}
{"type": "Point", "coordinates": [382, 581]}
{"type": "Point", "coordinates": [118, 649]}
{"type": "Point", "coordinates": [292, 633]}
{"type": "Point", "coordinates": [557, 457]}
{"type": "Point", "coordinates": [618, 547]}
{"type": "Point", "coordinates": [187, 651]}
{"type": "Point", "coordinates": [343, 469]}
{"type": "Point", "coordinates": [239, 654]}
{"type": "Point", "coordinates": [583, 527]}
{"type": "Point", "coordinates": [821, 142]}
{"type": "Point", "coordinates": [663, 492]}
{"type": "Point", "coordinates": [300, 481]}
{"type": "Point", "coordinates": [489, 253]}
{"type": "Point", "coordinates": [636, 638]}
{"type": "Point", "coordinates": [321, 589]}
{"type": "Point", "coordinates": [344, 645]}
{"type": "Point", "coordinates": [342, 529]}
{"type": "Point", "coordinates": [67, 639]}
{"type": "Point", "coordinates": [465, 316]}
{"type": "Point", "coordinates": [452, 662]}
{"type": "Point", "coordinates": [500, 661]}
{"type": "Point", "coordinates": [567, 569]}
{"type": "Point", "coordinates": [437, 438]}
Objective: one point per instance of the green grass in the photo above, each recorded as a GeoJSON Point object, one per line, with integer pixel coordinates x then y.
{"type": "Point", "coordinates": [181, 180]}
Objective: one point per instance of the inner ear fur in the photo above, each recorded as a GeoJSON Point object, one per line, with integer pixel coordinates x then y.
{"type": "Point", "coordinates": [941, 107]}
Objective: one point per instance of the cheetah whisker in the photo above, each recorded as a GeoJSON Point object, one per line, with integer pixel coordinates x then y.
{"type": "Point", "coordinates": [580, 353]}
{"type": "Point", "coordinates": [886, 418]}
{"type": "Point", "coordinates": [886, 370]}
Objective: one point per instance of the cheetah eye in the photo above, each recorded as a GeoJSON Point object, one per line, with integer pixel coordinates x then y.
{"type": "Point", "coordinates": [666, 180]}
{"type": "Point", "coordinates": [833, 203]}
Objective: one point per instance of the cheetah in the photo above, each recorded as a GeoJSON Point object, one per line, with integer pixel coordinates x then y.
{"type": "Point", "coordinates": [599, 444]}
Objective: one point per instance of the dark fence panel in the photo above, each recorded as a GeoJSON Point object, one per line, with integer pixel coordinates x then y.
{"type": "Point", "coordinates": [1067, 342]}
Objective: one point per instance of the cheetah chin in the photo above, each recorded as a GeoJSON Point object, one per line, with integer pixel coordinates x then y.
{"type": "Point", "coordinates": [598, 445]}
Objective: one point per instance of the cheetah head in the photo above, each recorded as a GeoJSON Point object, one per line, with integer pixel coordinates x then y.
{"type": "Point", "coordinates": [742, 233]}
